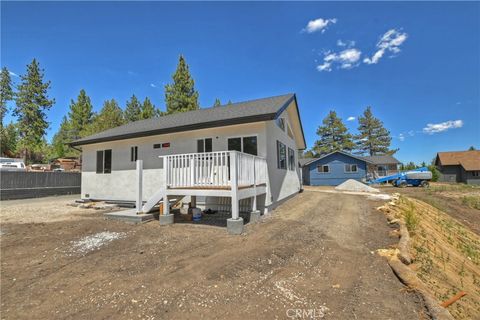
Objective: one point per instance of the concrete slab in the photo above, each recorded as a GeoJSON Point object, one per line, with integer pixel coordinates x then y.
{"type": "Point", "coordinates": [129, 216]}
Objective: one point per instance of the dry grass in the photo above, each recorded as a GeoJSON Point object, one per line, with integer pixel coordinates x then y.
{"type": "Point", "coordinates": [446, 255]}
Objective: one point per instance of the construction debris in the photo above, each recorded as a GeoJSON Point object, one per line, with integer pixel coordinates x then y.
{"type": "Point", "coordinates": [354, 185]}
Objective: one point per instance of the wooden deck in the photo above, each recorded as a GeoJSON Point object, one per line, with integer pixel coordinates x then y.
{"type": "Point", "coordinates": [207, 187]}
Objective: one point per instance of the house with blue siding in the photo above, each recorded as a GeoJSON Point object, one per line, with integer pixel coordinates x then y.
{"type": "Point", "coordinates": [333, 169]}
{"type": "Point", "coordinates": [337, 167]}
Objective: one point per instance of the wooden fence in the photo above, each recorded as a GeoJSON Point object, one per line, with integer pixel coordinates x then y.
{"type": "Point", "coordinates": [22, 185]}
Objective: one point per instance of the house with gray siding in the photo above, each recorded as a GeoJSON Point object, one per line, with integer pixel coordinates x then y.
{"type": "Point", "coordinates": [459, 166]}
{"type": "Point", "coordinates": [241, 156]}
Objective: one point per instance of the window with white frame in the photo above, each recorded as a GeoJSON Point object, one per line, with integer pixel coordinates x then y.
{"type": "Point", "coordinates": [104, 161]}
{"type": "Point", "coordinates": [204, 145]}
{"type": "Point", "coordinates": [291, 159]}
{"type": "Point", "coordinates": [351, 168]}
{"type": "Point", "coordinates": [323, 168]}
{"type": "Point", "coordinates": [281, 156]}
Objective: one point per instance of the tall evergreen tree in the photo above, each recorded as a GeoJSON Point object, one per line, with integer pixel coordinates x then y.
{"type": "Point", "coordinates": [9, 140]}
{"type": "Point", "coordinates": [181, 96]}
{"type": "Point", "coordinates": [80, 115]}
{"type": "Point", "coordinates": [217, 103]}
{"type": "Point", "coordinates": [373, 138]}
{"type": "Point", "coordinates": [31, 103]}
{"type": "Point", "coordinates": [110, 116]}
{"type": "Point", "coordinates": [6, 93]}
{"type": "Point", "coordinates": [148, 109]}
{"type": "Point", "coordinates": [59, 140]}
{"type": "Point", "coordinates": [334, 136]}
{"type": "Point", "coordinates": [133, 110]}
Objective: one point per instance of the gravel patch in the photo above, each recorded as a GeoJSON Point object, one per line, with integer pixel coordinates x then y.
{"type": "Point", "coordinates": [354, 185]}
{"type": "Point", "coordinates": [95, 241]}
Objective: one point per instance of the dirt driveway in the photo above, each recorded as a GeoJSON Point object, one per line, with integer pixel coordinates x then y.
{"type": "Point", "coordinates": [315, 252]}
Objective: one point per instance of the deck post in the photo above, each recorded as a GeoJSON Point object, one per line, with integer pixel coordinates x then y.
{"type": "Point", "coordinates": [235, 223]}
{"type": "Point", "coordinates": [139, 199]}
{"type": "Point", "coordinates": [166, 217]}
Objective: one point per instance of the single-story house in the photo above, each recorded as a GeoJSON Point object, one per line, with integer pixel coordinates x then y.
{"type": "Point", "coordinates": [459, 166]}
{"type": "Point", "coordinates": [241, 151]}
{"type": "Point", "coordinates": [335, 168]}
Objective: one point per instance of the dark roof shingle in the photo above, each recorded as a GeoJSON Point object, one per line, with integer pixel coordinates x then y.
{"type": "Point", "coordinates": [383, 159]}
{"type": "Point", "coordinates": [235, 113]}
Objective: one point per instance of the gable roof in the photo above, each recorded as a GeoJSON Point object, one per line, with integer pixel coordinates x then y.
{"type": "Point", "coordinates": [236, 113]}
{"type": "Point", "coordinates": [382, 159]}
{"type": "Point", "coordinates": [305, 162]}
{"type": "Point", "coordinates": [469, 160]}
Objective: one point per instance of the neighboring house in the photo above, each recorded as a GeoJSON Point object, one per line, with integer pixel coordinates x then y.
{"type": "Point", "coordinates": [382, 165]}
{"type": "Point", "coordinates": [459, 166]}
{"type": "Point", "coordinates": [335, 168]}
{"type": "Point", "coordinates": [243, 150]}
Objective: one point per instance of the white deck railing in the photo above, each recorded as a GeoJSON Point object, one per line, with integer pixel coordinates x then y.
{"type": "Point", "coordinates": [214, 169]}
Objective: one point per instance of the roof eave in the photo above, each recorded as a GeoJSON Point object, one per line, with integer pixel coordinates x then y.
{"type": "Point", "coordinates": [203, 125]}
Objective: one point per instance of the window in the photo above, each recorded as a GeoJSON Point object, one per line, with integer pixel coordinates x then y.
{"type": "Point", "coordinates": [475, 173]}
{"type": "Point", "coordinates": [134, 154]}
{"type": "Point", "coordinates": [250, 145]}
{"type": "Point", "coordinates": [323, 168]}
{"type": "Point", "coordinates": [157, 146]}
{"type": "Point", "coordinates": [281, 156]}
{"type": "Point", "coordinates": [104, 161]}
{"type": "Point", "coordinates": [351, 168]}
{"type": "Point", "coordinates": [204, 145]}
{"type": "Point", "coordinates": [243, 144]}
{"type": "Point", "coordinates": [281, 123]}
{"type": "Point", "coordinates": [291, 159]}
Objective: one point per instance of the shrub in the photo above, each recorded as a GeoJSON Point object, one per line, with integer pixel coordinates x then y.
{"type": "Point", "coordinates": [411, 218]}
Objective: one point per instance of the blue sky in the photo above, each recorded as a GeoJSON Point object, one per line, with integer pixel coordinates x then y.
{"type": "Point", "coordinates": [415, 63]}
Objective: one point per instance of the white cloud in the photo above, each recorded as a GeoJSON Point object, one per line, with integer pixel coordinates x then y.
{"type": "Point", "coordinates": [351, 118]}
{"type": "Point", "coordinates": [390, 41]}
{"type": "Point", "coordinates": [401, 137]}
{"type": "Point", "coordinates": [411, 133]}
{"type": "Point", "coordinates": [318, 25]}
{"type": "Point", "coordinates": [432, 128]}
{"type": "Point", "coordinates": [346, 59]}
{"type": "Point", "coordinates": [347, 43]}
{"type": "Point", "coordinates": [13, 74]}
{"type": "Point", "coordinates": [153, 85]}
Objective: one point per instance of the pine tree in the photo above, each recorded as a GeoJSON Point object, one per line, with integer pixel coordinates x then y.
{"type": "Point", "coordinates": [148, 109]}
{"type": "Point", "coordinates": [217, 103]}
{"type": "Point", "coordinates": [59, 140]}
{"type": "Point", "coordinates": [181, 96]}
{"type": "Point", "coordinates": [334, 136]}
{"type": "Point", "coordinates": [373, 138]}
{"type": "Point", "coordinates": [6, 93]}
{"type": "Point", "coordinates": [133, 110]}
{"type": "Point", "coordinates": [80, 115]}
{"type": "Point", "coordinates": [31, 103]}
{"type": "Point", "coordinates": [472, 148]}
{"type": "Point", "coordinates": [110, 116]}
{"type": "Point", "coordinates": [9, 140]}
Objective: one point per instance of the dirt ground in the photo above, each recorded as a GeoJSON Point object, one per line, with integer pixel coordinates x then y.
{"type": "Point", "coordinates": [447, 198]}
{"type": "Point", "coordinates": [314, 257]}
